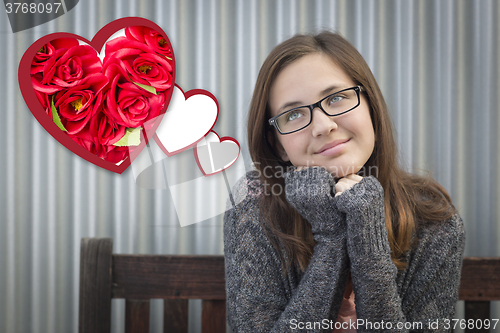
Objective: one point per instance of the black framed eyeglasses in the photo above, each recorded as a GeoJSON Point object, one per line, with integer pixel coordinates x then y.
{"type": "Point", "coordinates": [335, 104]}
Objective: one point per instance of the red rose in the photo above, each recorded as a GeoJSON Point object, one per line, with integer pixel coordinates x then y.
{"type": "Point", "coordinates": [105, 129]}
{"type": "Point", "coordinates": [129, 104]}
{"type": "Point", "coordinates": [97, 137]}
{"type": "Point", "coordinates": [44, 99]}
{"type": "Point", "coordinates": [117, 154]}
{"type": "Point", "coordinates": [65, 69]}
{"type": "Point", "coordinates": [48, 50]}
{"type": "Point", "coordinates": [140, 62]}
{"type": "Point", "coordinates": [150, 37]}
{"type": "Point", "coordinates": [78, 104]}
{"type": "Point", "coordinates": [109, 153]}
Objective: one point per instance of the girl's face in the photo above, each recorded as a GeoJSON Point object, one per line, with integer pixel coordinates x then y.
{"type": "Point", "coordinates": [303, 82]}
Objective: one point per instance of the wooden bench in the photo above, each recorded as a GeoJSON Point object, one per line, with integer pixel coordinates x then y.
{"type": "Point", "coordinates": [175, 279]}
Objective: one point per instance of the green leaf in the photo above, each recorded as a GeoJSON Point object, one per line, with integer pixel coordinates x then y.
{"type": "Point", "coordinates": [132, 137]}
{"type": "Point", "coordinates": [147, 88]}
{"type": "Point", "coordinates": [55, 116]}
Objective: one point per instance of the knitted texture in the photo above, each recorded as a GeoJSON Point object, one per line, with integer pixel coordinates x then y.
{"type": "Point", "coordinates": [350, 235]}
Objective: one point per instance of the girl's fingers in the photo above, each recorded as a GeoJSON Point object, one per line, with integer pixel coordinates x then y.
{"type": "Point", "coordinates": [343, 182]}
{"type": "Point", "coordinates": [346, 183]}
{"type": "Point", "coordinates": [342, 186]}
{"type": "Point", "coordinates": [355, 177]}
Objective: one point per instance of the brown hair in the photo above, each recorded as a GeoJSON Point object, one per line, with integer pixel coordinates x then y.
{"type": "Point", "coordinates": [408, 197]}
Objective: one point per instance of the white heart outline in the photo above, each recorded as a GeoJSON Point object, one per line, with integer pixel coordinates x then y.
{"type": "Point", "coordinates": [225, 138]}
{"type": "Point", "coordinates": [177, 108]}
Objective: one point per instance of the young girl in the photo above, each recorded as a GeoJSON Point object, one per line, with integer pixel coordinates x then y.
{"type": "Point", "coordinates": [333, 235]}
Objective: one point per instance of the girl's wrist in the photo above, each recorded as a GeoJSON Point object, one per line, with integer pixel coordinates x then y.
{"type": "Point", "coordinates": [365, 195]}
{"type": "Point", "coordinates": [311, 192]}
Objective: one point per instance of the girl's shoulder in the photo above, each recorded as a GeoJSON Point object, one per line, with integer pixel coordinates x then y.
{"type": "Point", "coordinates": [248, 187]}
{"type": "Point", "coordinates": [243, 219]}
{"type": "Point", "coordinates": [245, 198]}
{"type": "Point", "coordinates": [453, 225]}
{"type": "Point", "coordinates": [442, 236]}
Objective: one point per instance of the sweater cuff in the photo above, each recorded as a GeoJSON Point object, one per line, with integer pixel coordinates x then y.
{"type": "Point", "coordinates": [361, 196]}
{"type": "Point", "coordinates": [309, 182]}
{"type": "Point", "coordinates": [310, 192]}
{"type": "Point", "coordinates": [364, 205]}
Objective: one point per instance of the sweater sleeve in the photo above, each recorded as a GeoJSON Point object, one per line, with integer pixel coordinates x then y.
{"type": "Point", "coordinates": [258, 299]}
{"type": "Point", "coordinates": [431, 290]}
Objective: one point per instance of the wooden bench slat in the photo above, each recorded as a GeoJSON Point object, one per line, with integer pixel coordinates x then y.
{"type": "Point", "coordinates": [139, 278]}
{"type": "Point", "coordinates": [213, 316]}
{"type": "Point", "coordinates": [136, 316]}
{"type": "Point", "coordinates": [175, 315]}
{"type": "Point", "coordinates": [159, 276]}
{"type": "Point", "coordinates": [95, 285]}
{"type": "Point", "coordinates": [480, 279]}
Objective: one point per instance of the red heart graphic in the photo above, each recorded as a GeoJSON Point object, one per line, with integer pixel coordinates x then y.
{"type": "Point", "coordinates": [97, 102]}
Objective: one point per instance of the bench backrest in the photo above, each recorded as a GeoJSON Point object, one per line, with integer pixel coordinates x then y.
{"type": "Point", "coordinates": [175, 279]}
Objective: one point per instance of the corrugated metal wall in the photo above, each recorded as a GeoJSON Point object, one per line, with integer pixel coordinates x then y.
{"type": "Point", "coordinates": [437, 63]}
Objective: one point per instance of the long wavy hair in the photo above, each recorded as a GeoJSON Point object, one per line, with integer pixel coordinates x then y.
{"type": "Point", "coordinates": [408, 198]}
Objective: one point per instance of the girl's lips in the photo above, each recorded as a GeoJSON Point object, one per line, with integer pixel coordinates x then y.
{"type": "Point", "coordinates": [335, 149]}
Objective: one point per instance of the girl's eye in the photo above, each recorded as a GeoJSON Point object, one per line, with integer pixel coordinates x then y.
{"type": "Point", "coordinates": [293, 115]}
{"type": "Point", "coordinates": [335, 99]}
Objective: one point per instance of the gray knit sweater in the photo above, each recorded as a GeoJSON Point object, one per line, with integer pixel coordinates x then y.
{"type": "Point", "coordinates": [350, 235]}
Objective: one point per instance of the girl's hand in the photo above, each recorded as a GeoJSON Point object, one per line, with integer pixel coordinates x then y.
{"type": "Point", "coordinates": [346, 183]}
{"type": "Point", "coordinates": [310, 190]}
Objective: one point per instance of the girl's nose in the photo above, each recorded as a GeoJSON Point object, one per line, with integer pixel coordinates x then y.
{"type": "Point", "coordinates": [322, 124]}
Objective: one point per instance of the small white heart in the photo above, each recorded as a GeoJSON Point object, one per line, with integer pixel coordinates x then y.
{"type": "Point", "coordinates": [214, 154]}
{"type": "Point", "coordinates": [189, 118]}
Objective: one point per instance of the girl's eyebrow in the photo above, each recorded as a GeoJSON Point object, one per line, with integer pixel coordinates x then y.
{"type": "Point", "coordinates": [288, 106]}
{"type": "Point", "coordinates": [333, 88]}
